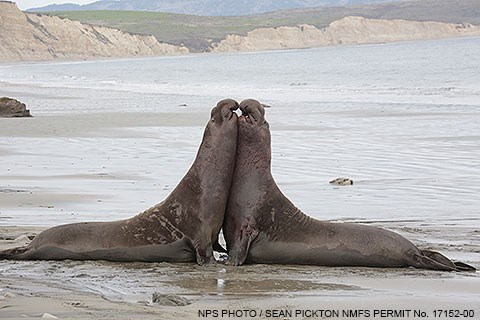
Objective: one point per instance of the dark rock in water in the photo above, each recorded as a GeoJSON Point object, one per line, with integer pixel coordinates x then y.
{"type": "Point", "coordinates": [342, 181]}
{"type": "Point", "coordinates": [169, 300]}
{"type": "Point", "coordinates": [11, 108]}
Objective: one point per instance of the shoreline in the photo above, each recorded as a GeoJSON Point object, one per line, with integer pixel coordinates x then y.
{"type": "Point", "coordinates": [194, 54]}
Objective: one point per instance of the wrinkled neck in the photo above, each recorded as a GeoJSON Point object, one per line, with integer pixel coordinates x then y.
{"type": "Point", "coordinates": [211, 173]}
{"type": "Point", "coordinates": [216, 154]}
{"type": "Point", "coordinates": [253, 158]}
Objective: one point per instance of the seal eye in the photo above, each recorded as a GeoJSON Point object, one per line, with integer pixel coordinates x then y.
{"type": "Point", "coordinates": [213, 120]}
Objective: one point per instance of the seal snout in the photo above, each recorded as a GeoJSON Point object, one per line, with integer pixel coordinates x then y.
{"type": "Point", "coordinates": [226, 108]}
{"type": "Point", "coordinates": [253, 111]}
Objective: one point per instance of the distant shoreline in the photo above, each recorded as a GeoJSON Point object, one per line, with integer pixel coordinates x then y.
{"type": "Point", "coordinates": [43, 37]}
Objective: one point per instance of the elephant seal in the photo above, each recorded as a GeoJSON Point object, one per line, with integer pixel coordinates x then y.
{"type": "Point", "coordinates": [182, 228]}
{"type": "Point", "coordinates": [262, 226]}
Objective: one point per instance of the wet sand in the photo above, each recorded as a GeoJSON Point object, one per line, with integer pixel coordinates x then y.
{"type": "Point", "coordinates": [72, 305]}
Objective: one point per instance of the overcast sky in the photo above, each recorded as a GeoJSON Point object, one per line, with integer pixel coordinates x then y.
{"type": "Point", "coordinates": [27, 4]}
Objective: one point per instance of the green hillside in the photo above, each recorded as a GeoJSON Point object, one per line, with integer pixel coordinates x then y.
{"type": "Point", "coordinates": [194, 31]}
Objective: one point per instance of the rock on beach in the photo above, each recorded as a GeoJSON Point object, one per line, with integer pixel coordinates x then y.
{"type": "Point", "coordinates": [11, 108]}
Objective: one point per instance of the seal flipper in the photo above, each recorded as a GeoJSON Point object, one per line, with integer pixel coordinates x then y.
{"type": "Point", "coordinates": [205, 255]}
{"type": "Point", "coordinates": [203, 251]}
{"type": "Point", "coordinates": [438, 257]}
{"type": "Point", "coordinates": [437, 261]}
{"type": "Point", "coordinates": [14, 253]}
{"type": "Point", "coordinates": [239, 252]}
{"type": "Point", "coordinates": [237, 255]}
{"type": "Point", "coordinates": [463, 266]}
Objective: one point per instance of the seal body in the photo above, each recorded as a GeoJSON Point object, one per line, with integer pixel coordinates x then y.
{"type": "Point", "coordinates": [182, 228]}
{"type": "Point", "coordinates": [263, 226]}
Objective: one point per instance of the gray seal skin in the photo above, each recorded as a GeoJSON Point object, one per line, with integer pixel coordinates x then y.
{"type": "Point", "coordinates": [182, 228]}
{"type": "Point", "coordinates": [262, 226]}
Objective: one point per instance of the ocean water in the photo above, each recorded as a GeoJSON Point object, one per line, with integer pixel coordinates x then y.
{"type": "Point", "coordinates": [111, 138]}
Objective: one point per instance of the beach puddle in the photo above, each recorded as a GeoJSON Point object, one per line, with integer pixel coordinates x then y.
{"type": "Point", "coordinates": [252, 280]}
{"type": "Point", "coordinates": [259, 287]}
{"type": "Point", "coordinates": [138, 281]}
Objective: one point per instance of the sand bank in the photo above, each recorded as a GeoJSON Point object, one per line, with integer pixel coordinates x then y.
{"type": "Point", "coordinates": [95, 124]}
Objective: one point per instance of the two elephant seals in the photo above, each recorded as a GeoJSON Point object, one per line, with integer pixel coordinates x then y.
{"type": "Point", "coordinates": [262, 226]}
{"type": "Point", "coordinates": [182, 228]}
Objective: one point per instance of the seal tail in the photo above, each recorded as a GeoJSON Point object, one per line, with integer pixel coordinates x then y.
{"type": "Point", "coordinates": [13, 254]}
{"type": "Point", "coordinates": [461, 266]}
{"type": "Point", "coordinates": [437, 261]}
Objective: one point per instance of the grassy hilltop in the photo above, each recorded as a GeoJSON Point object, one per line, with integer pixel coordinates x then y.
{"type": "Point", "coordinates": [197, 32]}
{"type": "Point", "coordinates": [194, 31]}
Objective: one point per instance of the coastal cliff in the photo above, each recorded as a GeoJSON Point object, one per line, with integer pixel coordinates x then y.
{"type": "Point", "coordinates": [349, 30]}
{"type": "Point", "coordinates": [34, 37]}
